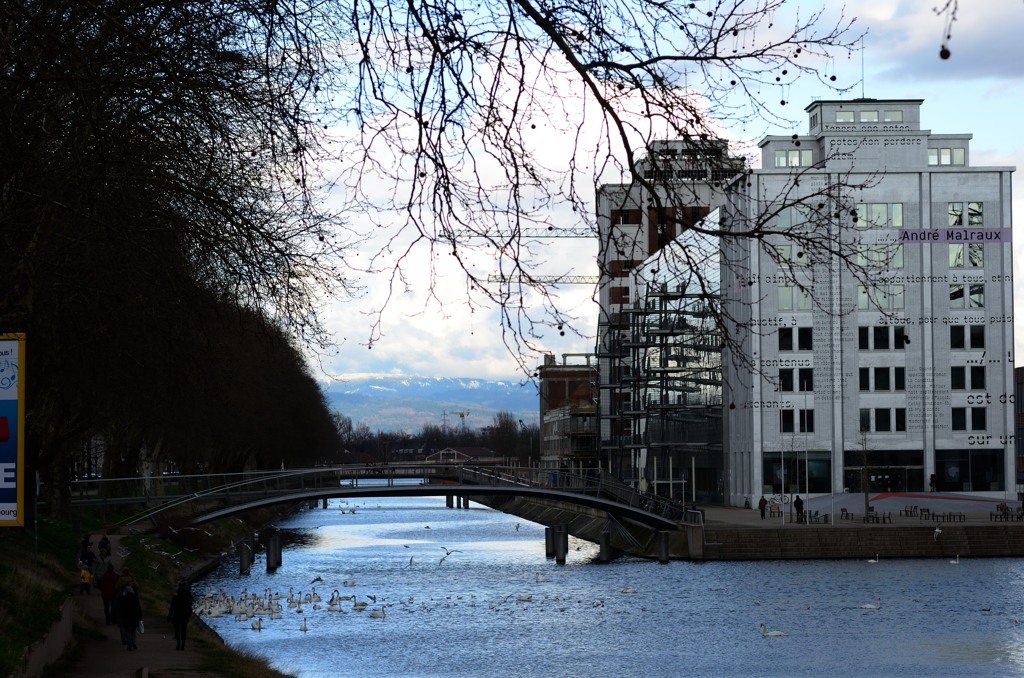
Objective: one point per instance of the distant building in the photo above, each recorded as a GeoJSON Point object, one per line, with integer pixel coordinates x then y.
{"type": "Point", "coordinates": [568, 414]}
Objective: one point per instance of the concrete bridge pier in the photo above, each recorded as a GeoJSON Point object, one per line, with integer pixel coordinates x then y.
{"type": "Point", "coordinates": [663, 547]}
{"type": "Point", "coordinates": [604, 553]}
{"type": "Point", "coordinates": [449, 500]}
{"type": "Point", "coordinates": [273, 551]}
{"type": "Point", "coordinates": [561, 544]}
{"type": "Point", "coordinates": [549, 542]}
{"type": "Point", "coordinates": [324, 504]}
{"type": "Point", "coordinates": [464, 502]}
{"type": "Point", "coordinates": [246, 551]}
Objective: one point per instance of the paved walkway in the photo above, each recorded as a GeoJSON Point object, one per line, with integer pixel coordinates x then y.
{"type": "Point", "coordinates": [976, 509]}
{"type": "Point", "coordinates": [106, 657]}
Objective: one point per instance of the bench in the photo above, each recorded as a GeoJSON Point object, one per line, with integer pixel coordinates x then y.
{"type": "Point", "coordinates": [955, 517]}
{"type": "Point", "coordinates": [774, 510]}
{"type": "Point", "coordinates": [845, 515]}
{"type": "Point", "coordinates": [822, 518]}
{"type": "Point", "coordinates": [924, 514]}
{"type": "Point", "coordinates": [885, 517]}
{"type": "Point", "coordinates": [871, 517]}
{"type": "Point", "coordinates": [908, 510]}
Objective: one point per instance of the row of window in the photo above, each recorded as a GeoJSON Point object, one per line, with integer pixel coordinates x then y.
{"type": "Point", "coordinates": [804, 158]}
{"type": "Point", "coordinates": [893, 297]}
{"type": "Point", "coordinates": [802, 378]}
{"type": "Point", "coordinates": [883, 338]}
{"type": "Point", "coordinates": [868, 116]}
{"type": "Point", "coordinates": [888, 256]}
{"type": "Point", "coordinates": [804, 338]}
{"type": "Point", "coordinates": [884, 420]}
{"type": "Point", "coordinates": [883, 379]}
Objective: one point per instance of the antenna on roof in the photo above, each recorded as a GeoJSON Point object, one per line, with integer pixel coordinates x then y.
{"type": "Point", "coordinates": [862, 66]}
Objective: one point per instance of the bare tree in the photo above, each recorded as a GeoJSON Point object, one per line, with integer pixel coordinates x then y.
{"type": "Point", "coordinates": [454, 104]}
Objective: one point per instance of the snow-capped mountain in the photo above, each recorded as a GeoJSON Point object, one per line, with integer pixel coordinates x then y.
{"type": "Point", "coordinates": [407, 403]}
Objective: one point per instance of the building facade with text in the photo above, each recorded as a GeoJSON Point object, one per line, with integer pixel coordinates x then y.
{"type": "Point", "coordinates": [877, 341]}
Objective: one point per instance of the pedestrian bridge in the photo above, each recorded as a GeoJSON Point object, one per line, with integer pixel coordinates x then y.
{"type": "Point", "coordinates": [215, 496]}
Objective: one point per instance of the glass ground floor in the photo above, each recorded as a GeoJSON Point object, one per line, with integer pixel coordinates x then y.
{"type": "Point", "coordinates": [956, 470]}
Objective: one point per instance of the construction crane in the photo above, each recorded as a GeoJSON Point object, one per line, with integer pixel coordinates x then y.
{"type": "Point", "coordinates": [552, 279]}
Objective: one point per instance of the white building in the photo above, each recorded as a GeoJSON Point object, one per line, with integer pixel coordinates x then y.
{"type": "Point", "coordinates": [894, 371]}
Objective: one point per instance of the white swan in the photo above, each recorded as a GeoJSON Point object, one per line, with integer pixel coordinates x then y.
{"type": "Point", "coordinates": [377, 614]}
{"type": "Point", "coordinates": [957, 561]}
{"type": "Point", "coordinates": [872, 606]}
{"type": "Point", "coordinates": [765, 633]}
{"type": "Point", "coordinates": [257, 624]}
{"type": "Point", "coordinates": [303, 628]}
{"type": "Point", "coordinates": [875, 560]}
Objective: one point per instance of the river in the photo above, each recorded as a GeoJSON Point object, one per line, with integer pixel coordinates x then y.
{"type": "Point", "coordinates": [469, 592]}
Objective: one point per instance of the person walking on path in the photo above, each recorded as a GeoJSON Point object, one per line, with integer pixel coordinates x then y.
{"type": "Point", "coordinates": [180, 612]}
{"type": "Point", "coordinates": [125, 580]}
{"type": "Point", "coordinates": [762, 504]}
{"type": "Point", "coordinates": [108, 591]}
{"type": "Point", "coordinates": [128, 613]}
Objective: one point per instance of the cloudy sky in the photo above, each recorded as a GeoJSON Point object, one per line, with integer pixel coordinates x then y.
{"type": "Point", "coordinates": [978, 90]}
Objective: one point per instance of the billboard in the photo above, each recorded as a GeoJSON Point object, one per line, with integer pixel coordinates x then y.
{"type": "Point", "coordinates": [12, 424]}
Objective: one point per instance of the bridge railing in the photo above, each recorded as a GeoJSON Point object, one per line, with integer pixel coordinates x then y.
{"type": "Point", "coordinates": [597, 483]}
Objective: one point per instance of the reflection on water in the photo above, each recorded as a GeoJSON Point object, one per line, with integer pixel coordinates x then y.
{"type": "Point", "coordinates": [495, 606]}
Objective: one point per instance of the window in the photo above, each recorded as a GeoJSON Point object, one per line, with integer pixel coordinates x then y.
{"type": "Point", "coordinates": [881, 338]}
{"type": "Point", "coordinates": [865, 378]}
{"type": "Point", "coordinates": [955, 214]}
{"type": "Point", "coordinates": [794, 158]}
{"type": "Point", "coordinates": [790, 256]}
{"type": "Point", "coordinates": [869, 116]}
{"type": "Point", "coordinates": [844, 116]}
{"type": "Point", "coordinates": [947, 156]}
{"type": "Point", "coordinates": [974, 214]}
{"type": "Point", "coordinates": [785, 380]}
{"type": "Point", "coordinates": [967, 255]}
{"type": "Point", "coordinates": [970, 378]}
{"type": "Point", "coordinates": [899, 382]}
{"type": "Point", "coordinates": [883, 421]}
{"type": "Point", "coordinates": [900, 420]}
{"type": "Point", "coordinates": [975, 296]}
{"type": "Point", "coordinates": [805, 338]}
{"type": "Point", "coordinates": [882, 379]}
{"type": "Point", "coordinates": [805, 379]}
{"type": "Point", "coordinates": [893, 116]}
{"type": "Point", "coordinates": [791, 298]}
{"type": "Point", "coordinates": [865, 419]}
{"type": "Point", "coordinates": [968, 419]}
{"type": "Point", "coordinates": [966, 336]}
{"type": "Point", "coordinates": [785, 338]}
{"type": "Point", "coordinates": [976, 334]}
{"type": "Point", "coordinates": [899, 337]}
{"type": "Point", "coordinates": [864, 338]}
{"type": "Point", "coordinates": [796, 421]}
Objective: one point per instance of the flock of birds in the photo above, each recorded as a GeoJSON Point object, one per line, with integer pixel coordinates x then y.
{"type": "Point", "coordinates": [256, 608]}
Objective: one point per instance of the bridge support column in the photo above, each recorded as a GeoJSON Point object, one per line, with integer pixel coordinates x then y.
{"type": "Point", "coordinates": [604, 553]}
{"type": "Point", "coordinates": [312, 503]}
{"type": "Point", "coordinates": [549, 542]}
{"type": "Point", "coordinates": [663, 546]}
{"type": "Point", "coordinates": [245, 555]}
{"type": "Point", "coordinates": [449, 500]}
{"type": "Point", "coordinates": [561, 544]}
{"type": "Point", "coordinates": [273, 551]}
{"type": "Point", "coordinates": [323, 504]}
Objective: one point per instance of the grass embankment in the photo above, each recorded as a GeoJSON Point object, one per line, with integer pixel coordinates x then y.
{"type": "Point", "coordinates": [38, 572]}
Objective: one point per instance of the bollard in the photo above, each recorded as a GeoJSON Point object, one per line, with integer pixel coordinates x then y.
{"type": "Point", "coordinates": [663, 546]}
{"type": "Point", "coordinates": [604, 553]}
{"type": "Point", "coordinates": [549, 542]}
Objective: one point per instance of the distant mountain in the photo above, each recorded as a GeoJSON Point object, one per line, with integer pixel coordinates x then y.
{"type": "Point", "coordinates": [406, 403]}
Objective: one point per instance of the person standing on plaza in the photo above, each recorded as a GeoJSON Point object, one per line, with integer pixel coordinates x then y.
{"type": "Point", "coordinates": [762, 504]}
{"type": "Point", "coordinates": [798, 504]}
{"type": "Point", "coordinates": [180, 612]}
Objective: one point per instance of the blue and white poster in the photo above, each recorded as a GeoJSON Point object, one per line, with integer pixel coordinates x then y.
{"type": "Point", "coordinates": [12, 419]}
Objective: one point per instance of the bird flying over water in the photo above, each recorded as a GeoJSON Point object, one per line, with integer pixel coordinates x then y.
{"type": "Point", "coordinates": [318, 579]}
{"type": "Point", "coordinates": [938, 531]}
{"type": "Point", "coordinates": [447, 552]}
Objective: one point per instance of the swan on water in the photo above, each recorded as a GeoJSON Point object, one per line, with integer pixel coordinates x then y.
{"type": "Point", "coordinates": [303, 628]}
{"type": "Point", "coordinates": [257, 624]}
{"type": "Point", "coordinates": [872, 606]}
{"type": "Point", "coordinates": [378, 614]}
{"type": "Point", "coordinates": [765, 633]}
{"type": "Point", "coordinates": [957, 561]}
{"type": "Point", "coordinates": [875, 560]}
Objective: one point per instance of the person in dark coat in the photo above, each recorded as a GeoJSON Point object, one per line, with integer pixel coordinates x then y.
{"type": "Point", "coordinates": [108, 591]}
{"type": "Point", "coordinates": [798, 504]}
{"type": "Point", "coordinates": [762, 504]}
{"type": "Point", "coordinates": [180, 612]}
{"type": "Point", "coordinates": [128, 613]}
